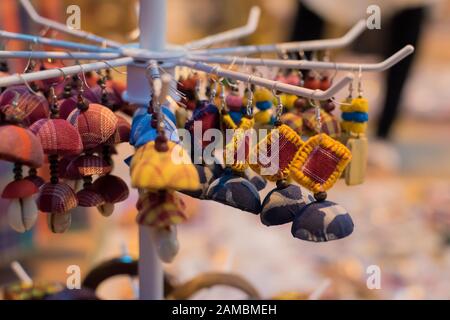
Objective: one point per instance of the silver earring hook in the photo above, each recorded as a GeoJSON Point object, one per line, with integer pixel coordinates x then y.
{"type": "Point", "coordinates": [279, 107]}
{"type": "Point", "coordinates": [77, 62]}
{"type": "Point", "coordinates": [27, 84]}
{"type": "Point", "coordinates": [35, 42]}
{"type": "Point", "coordinates": [318, 113]}
{"type": "Point", "coordinates": [117, 70]}
{"type": "Point", "coordinates": [360, 92]}
{"type": "Point", "coordinates": [335, 72]}
{"type": "Point", "coordinates": [249, 106]}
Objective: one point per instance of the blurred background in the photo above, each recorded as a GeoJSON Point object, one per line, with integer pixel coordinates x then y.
{"type": "Point", "coordinates": [401, 212]}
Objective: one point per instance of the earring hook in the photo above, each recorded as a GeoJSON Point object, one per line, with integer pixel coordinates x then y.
{"type": "Point", "coordinates": [27, 84]}
{"type": "Point", "coordinates": [360, 92]}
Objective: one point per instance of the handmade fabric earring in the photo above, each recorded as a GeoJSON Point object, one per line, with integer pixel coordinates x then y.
{"type": "Point", "coordinates": [354, 123]}
{"type": "Point", "coordinates": [317, 165]}
{"type": "Point", "coordinates": [112, 188]}
{"type": "Point", "coordinates": [230, 123]}
{"type": "Point", "coordinates": [263, 102]}
{"type": "Point", "coordinates": [232, 188]}
{"type": "Point", "coordinates": [158, 169]}
{"type": "Point", "coordinates": [205, 117]}
{"type": "Point", "coordinates": [108, 91]}
{"type": "Point", "coordinates": [143, 126]}
{"type": "Point", "coordinates": [274, 156]}
{"type": "Point", "coordinates": [58, 138]}
{"type": "Point", "coordinates": [329, 124]}
{"type": "Point", "coordinates": [96, 124]}
{"type": "Point", "coordinates": [234, 103]}
{"type": "Point", "coordinates": [21, 146]}
{"type": "Point", "coordinates": [19, 105]}
{"type": "Point", "coordinates": [188, 88]}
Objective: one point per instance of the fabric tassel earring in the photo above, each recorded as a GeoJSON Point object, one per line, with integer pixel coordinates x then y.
{"type": "Point", "coordinates": [317, 165]}
{"type": "Point", "coordinates": [232, 188]}
{"type": "Point", "coordinates": [354, 123]}
{"type": "Point", "coordinates": [274, 156]}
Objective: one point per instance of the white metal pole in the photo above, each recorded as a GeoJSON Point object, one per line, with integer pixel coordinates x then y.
{"type": "Point", "coordinates": [152, 22]}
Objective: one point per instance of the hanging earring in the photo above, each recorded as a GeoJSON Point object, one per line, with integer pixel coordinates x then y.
{"type": "Point", "coordinates": [232, 188]}
{"type": "Point", "coordinates": [354, 123]}
{"type": "Point", "coordinates": [230, 123]}
{"type": "Point", "coordinates": [329, 124]}
{"type": "Point", "coordinates": [263, 102]}
{"type": "Point", "coordinates": [20, 146]}
{"type": "Point", "coordinates": [317, 166]}
{"type": "Point", "coordinates": [58, 138]}
{"type": "Point", "coordinates": [274, 155]}
{"type": "Point", "coordinates": [96, 124]}
{"type": "Point", "coordinates": [234, 105]}
{"type": "Point", "coordinates": [157, 176]}
{"type": "Point", "coordinates": [206, 116]}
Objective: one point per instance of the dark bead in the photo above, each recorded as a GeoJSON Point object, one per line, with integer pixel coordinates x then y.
{"type": "Point", "coordinates": [320, 196]}
{"type": "Point", "coordinates": [328, 106]}
{"type": "Point", "coordinates": [281, 184]}
{"type": "Point", "coordinates": [301, 104]}
{"type": "Point", "coordinates": [161, 144]}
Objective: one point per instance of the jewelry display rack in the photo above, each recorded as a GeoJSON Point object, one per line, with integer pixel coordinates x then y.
{"type": "Point", "coordinates": [153, 54]}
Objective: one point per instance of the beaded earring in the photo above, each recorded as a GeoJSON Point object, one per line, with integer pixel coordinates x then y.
{"type": "Point", "coordinates": [354, 123]}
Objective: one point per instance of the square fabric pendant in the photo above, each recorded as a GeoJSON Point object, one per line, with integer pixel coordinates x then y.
{"type": "Point", "coordinates": [273, 156]}
{"type": "Point", "coordinates": [319, 163]}
{"type": "Point", "coordinates": [237, 151]}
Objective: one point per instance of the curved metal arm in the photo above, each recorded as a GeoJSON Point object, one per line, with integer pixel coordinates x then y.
{"type": "Point", "coordinates": [54, 73]}
{"type": "Point", "coordinates": [308, 65]}
{"type": "Point", "coordinates": [233, 34]}
{"type": "Point", "coordinates": [58, 55]}
{"type": "Point", "coordinates": [63, 28]}
{"type": "Point", "coordinates": [312, 45]}
{"type": "Point", "coordinates": [53, 42]}
{"type": "Point", "coordinates": [299, 91]}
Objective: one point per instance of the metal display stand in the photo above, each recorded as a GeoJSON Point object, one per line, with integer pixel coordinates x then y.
{"type": "Point", "coordinates": [153, 51]}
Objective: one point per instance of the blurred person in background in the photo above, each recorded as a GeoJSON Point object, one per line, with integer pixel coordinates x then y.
{"type": "Point", "coordinates": [404, 20]}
